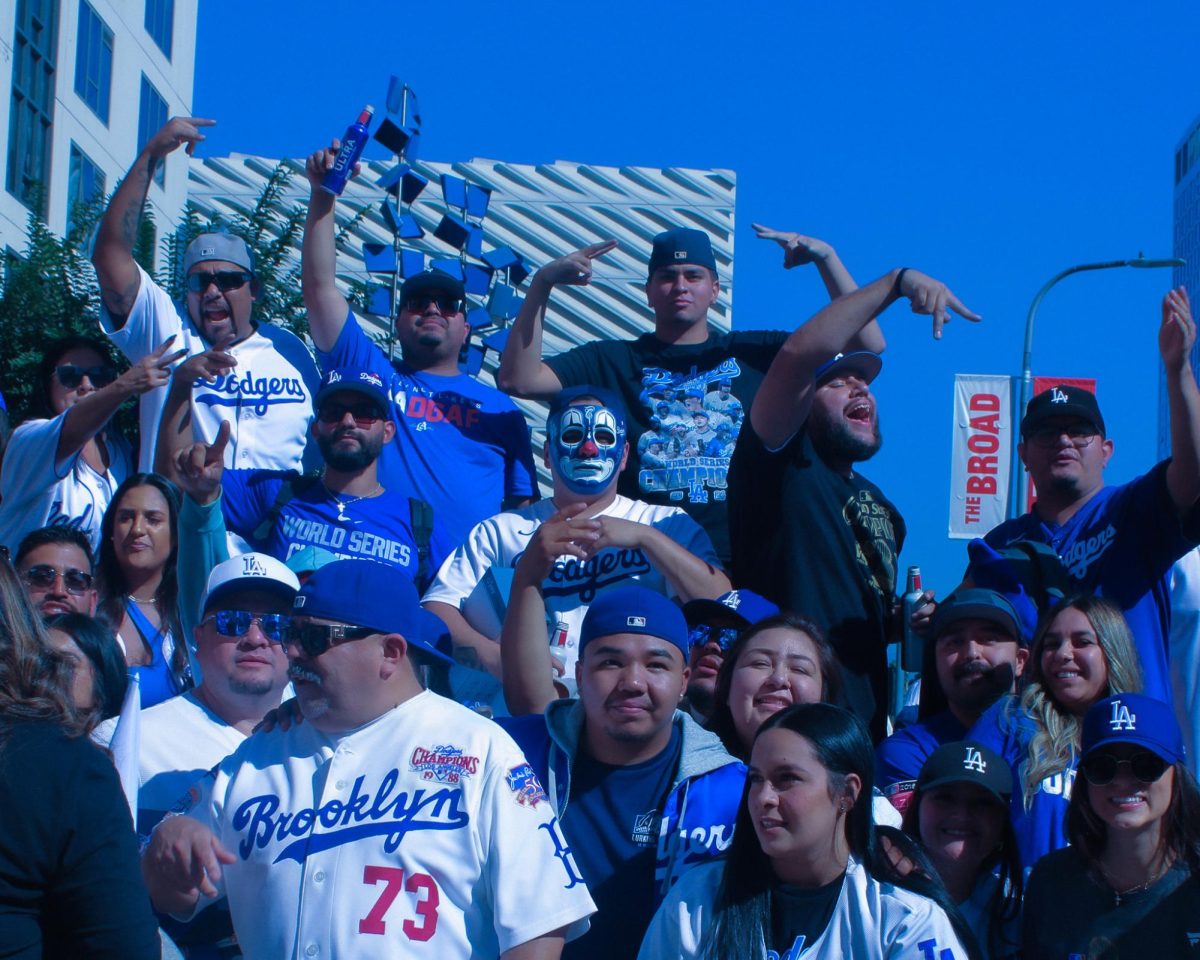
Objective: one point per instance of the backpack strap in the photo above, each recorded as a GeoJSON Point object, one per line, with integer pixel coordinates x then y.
{"type": "Point", "coordinates": [293, 484]}
{"type": "Point", "coordinates": [421, 517]}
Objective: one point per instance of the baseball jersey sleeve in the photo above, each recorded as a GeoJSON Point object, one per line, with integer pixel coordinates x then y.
{"type": "Point", "coordinates": [247, 497]}
{"type": "Point", "coordinates": [681, 923]}
{"type": "Point", "coordinates": [30, 460]}
{"type": "Point", "coordinates": [461, 572]}
{"type": "Point", "coordinates": [153, 318]}
{"type": "Point", "coordinates": [691, 536]}
{"type": "Point", "coordinates": [524, 845]}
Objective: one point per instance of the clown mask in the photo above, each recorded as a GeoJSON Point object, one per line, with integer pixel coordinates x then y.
{"type": "Point", "coordinates": [587, 442]}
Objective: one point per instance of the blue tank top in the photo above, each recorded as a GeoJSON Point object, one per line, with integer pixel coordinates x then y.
{"type": "Point", "coordinates": [156, 678]}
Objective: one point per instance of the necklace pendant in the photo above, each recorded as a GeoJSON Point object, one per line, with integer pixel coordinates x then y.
{"type": "Point", "coordinates": [341, 512]}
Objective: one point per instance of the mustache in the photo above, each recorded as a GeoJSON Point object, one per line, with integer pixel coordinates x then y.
{"type": "Point", "coordinates": [973, 668]}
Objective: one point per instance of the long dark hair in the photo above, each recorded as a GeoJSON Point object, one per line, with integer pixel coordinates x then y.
{"type": "Point", "coordinates": [40, 405]}
{"type": "Point", "coordinates": [1087, 833]}
{"type": "Point", "coordinates": [743, 904]}
{"type": "Point", "coordinates": [1005, 903]}
{"type": "Point", "coordinates": [721, 720]}
{"type": "Point", "coordinates": [111, 580]}
{"type": "Point", "coordinates": [96, 642]}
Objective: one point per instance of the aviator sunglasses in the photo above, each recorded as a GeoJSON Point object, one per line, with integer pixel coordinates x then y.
{"type": "Point", "coordinates": [44, 577]}
{"type": "Point", "coordinates": [1101, 768]}
{"type": "Point", "coordinates": [237, 623]}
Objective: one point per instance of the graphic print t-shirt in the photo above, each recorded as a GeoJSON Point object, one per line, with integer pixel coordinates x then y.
{"type": "Point", "coordinates": [686, 406]}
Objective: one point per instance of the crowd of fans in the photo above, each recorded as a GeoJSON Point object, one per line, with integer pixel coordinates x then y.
{"type": "Point", "coordinates": [354, 689]}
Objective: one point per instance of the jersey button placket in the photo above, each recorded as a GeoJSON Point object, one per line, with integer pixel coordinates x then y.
{"type": "Point", "coordinates": [312, 950]}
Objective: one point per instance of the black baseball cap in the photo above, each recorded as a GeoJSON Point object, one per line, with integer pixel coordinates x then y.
{"type": "Point", "coordinates": [430, 282]}
{"type": "Point", "coordinates": [1062, 401]}
{"type": "Point", "coordinates": [682, 245]}
{"type": "Point", "coordinates": [967, 761]}
{"type": "Point", "coordinates": [975, 603]}
{"type": "Point", "coordinates": [863, 362]}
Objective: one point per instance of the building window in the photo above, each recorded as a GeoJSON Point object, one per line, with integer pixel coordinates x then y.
{"type": "Point", "coordinates": [93, 61]}
{"type": "Point", "coordinates": [86, 183]}
{"type": "Point", "coordinates": [32, 112]}
{"type": "Point", "coordinates": [160, 23]}
{"type": "Point", "coordinates": [152, 116]}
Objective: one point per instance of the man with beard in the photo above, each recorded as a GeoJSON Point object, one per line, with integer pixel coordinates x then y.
{"type": "Point", "coordinates": [267, 402]}
{"type": "Point", "coordinates": [976, 656]}
{"type": "Point", "coordinates": [345, 510]}
{"type": "Point", "coordinates": [808, 531]}
{"type": "Point", "coordinates": [55, 564]}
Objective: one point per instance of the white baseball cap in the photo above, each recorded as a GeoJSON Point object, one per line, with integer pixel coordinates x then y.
{"type": "Point", "coordinates": [249, 571]}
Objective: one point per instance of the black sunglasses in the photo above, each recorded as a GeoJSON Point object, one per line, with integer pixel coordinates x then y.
{"type": "Point", "coordinates": [1101, 768]}
{"type": "Point", "coordinates": [237, 623]}
{"type": "Point", "coordinates": [225, 280]}
{"type": "Point", "coordinates": [71, 376]}
{"type": "Point", "coordinates": [702, 633]}
{"type": "Point", "coordinates": [44, 577]}
{"type": "Point", "coordinates": [315, 638]}
{"type": "Point", "coordinates": [446, 305]}
{"type": "Point", "coordinates": [364, 414]}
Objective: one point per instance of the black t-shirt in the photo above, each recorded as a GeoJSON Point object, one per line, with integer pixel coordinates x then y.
{"type": "Point", "coordinates": [612, 825]}
{"type": "Point", "coordinates": [1069, 911]}
{"type": "Point", "coordinates": [823, 545]}
{"type": "Point", "coordinates": [686, 406]}
{"type": "Point", "coordinates": [70, 883]}
{"type": "Point", "coordinates": [799, 915]}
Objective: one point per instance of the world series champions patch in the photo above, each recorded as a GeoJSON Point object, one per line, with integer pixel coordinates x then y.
{"type": "Point", "coordinates": [445, 764]}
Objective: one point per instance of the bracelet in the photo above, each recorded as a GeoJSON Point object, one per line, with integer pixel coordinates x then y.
{"type": "Point", "coordinates": [896, 289]}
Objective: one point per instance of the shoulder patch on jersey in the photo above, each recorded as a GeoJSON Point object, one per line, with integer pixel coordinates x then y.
{"type": "Point", "coordinates": [445, 764]}
{"type": "Point", "coordinates": [524, 784]}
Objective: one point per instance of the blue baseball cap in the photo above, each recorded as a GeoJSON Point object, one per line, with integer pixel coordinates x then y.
{"type": "Point", "coordinates": [364, 593]}
{"type": "Point", "coordinates": [635, 610]}
{"type": "Point", "coordinates": [682, 245]}
{"type": "Point", "coordinates": [354, 380]}
{"type": "Point", "coordinates": [863, 362]}
{"type": "Point", "coordinates": [742, 606]}
{"type": "Point", "coordinates": [1137, 719]}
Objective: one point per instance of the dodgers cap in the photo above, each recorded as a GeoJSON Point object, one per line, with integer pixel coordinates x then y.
{"type": "Point", "coordinates": [218, 246]}
{"type": "Point", "coordinates": [635, 610]}
{"type": "Point", "coordinates": [1137, 719]}
{"type": "Point", "coordinates": [249, 571]}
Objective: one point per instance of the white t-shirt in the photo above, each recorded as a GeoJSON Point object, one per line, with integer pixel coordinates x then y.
{"type": "Point", "coordinates": [419, 834]}
{"type": "Point", "coordinates": [37, 491]}
{"type": "Point", "coordinates": [181, 740]}
{"type": "Point", "coordinates": [871, 921]}
{"type": "Point", "coordinates": [573, 584]}
{"type": "Point", "coordinates": [267, 397]}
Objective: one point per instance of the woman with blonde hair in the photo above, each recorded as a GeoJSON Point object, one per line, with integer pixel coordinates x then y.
{"type": "Point", "coordinates": [1082, 652]}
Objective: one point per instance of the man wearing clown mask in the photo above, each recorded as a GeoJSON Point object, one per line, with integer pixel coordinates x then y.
{"type": "Point", "coordinates": [565, 551]}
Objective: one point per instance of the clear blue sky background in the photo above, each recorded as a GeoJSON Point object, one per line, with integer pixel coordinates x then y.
{"type": "Point", "coordinates": [990, 146]}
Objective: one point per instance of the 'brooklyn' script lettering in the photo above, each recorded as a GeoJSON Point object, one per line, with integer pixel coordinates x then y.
{"type": "Point", "coordinates": [361, 815]}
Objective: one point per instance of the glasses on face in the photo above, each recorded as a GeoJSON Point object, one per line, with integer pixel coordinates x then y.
{"type": "Point", "coordinates": [1101, 768]}
{"type": "Point", "coordinates": [45, 577]}
{"type": "Point", "coordinates": [71, 376]}
{"type": "Point", "coordinates": [237, 623]}
{"type": "Point", "coordinates": [364, 414]}
{"type": "Point", "coordinates": [1080, 435]}
{"type": "Point", "coordinates": [446, 305]}
{"type": "Point", "coordinates": [225, 280]}
{"type": "Point", "coordinates": [702, 634]}
{"type": "Point", "coordinates": [315, 638]}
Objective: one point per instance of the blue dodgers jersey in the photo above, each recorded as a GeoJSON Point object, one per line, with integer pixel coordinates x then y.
{"type": "Point", "coordinates": [1040, 826]}
{"type": "Point", "coordinates": [1121, 545]}
{"type": "Point", "coordinates": [461, 446]}
{"type": "Point", "coordinates": [376, 528]}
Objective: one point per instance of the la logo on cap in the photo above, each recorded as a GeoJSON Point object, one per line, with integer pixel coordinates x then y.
{"type": "Point", "coordinates": [252, 567]}
{"type": "Point", "coordinates": [635, 621]}
{"type": "Point", "coordinates": [1057, 396]}
{"type": "Point", "coordinates": [733, 601]}
{"type": "Point", "coordinates": [974, 761]}
{"type": "Point", "coordinates": [1121, 718]}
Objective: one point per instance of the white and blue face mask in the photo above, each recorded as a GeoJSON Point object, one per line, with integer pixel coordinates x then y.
{"type": "Point", "coordinates": [586, 443]}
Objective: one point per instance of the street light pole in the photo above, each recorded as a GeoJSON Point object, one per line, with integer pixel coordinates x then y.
{"type": "Point", "coordinates": [1018, 502]}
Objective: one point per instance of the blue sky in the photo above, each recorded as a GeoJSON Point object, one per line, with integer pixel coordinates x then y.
{"type": "Point", "coordinates": [988, 146]}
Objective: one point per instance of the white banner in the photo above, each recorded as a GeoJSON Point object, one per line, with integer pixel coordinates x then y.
{"type": "Point", "coordinates": [981, 457]}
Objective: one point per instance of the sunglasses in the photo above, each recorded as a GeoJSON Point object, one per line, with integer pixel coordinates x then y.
{"type": "Point", "coordinates": [446, 305]}
{"type": "Point", "coordinates": [315, 638]}
{"type": "Point", "coordinates": [1049, 436]}
{"type": "Point", "coordinates": [71, 376]}
{"type": "Point", "coordinates": [225, 280]}
{"type": "Point", "coordinates": [1101, 768]}
{"type": "Point", "coordinates": [702, 634]}
{"type": "Point", "coordinates": [364, 414]}
{"type": "Point", "coordinates": [237, 623]}
{"type": "Point", "coordinates": [44, 577]}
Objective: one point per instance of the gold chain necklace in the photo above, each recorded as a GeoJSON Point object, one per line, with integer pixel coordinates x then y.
{"type": "Point", "coordinates": [1119, 895]}
{"type": "Point", "coordinates": [343, 504]}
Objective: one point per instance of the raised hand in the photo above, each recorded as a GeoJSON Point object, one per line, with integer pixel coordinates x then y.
{"type": "Point", "coordinates": [575, 269]}
{"type": "Point", "coordinates": [797, 248]}
{"type": "Point", "coordinates": [321, 162]}
{"type": "Point", "coordinates": [932, 298]}
{"type": "Point", "coordinates": [620, 533]}
{"type": "Point", "coordinates": [206, 366]}
{"type": "Point", "coordinates": [564, 534]}
{"type": "Point", "coordinates": [153, 370]}
{"type": "Point", "coordinates": [185, 858]}
{"type": "Point", "coordinates": [199, 468]}
{"type": "Point", "coordinates": [178, 131]}
{"type": "Point", "coordinates": [1178, 331]}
